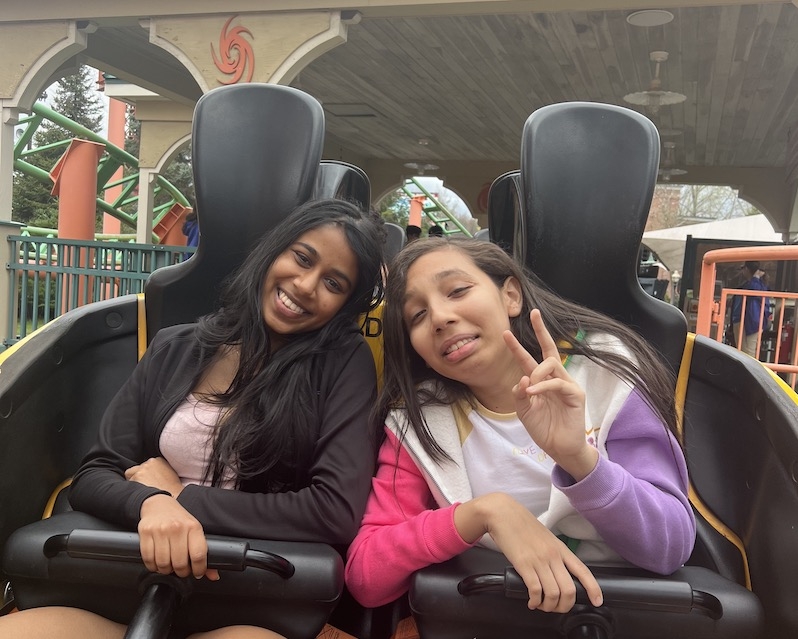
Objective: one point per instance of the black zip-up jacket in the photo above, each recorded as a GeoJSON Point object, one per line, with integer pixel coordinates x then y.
{"type": "Point", "coordinates": [328, 509]}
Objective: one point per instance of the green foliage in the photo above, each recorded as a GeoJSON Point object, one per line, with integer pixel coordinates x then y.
{"type": "Point", "coordinates": [179, 173]}
{"type": "Point", "coordinates": [132, 132]}
{"type": "Point", "coordinates": [44, 310]}
{"type": "Point", "coordinates": [74, 98]}
{"type": "Point", "coordinates": [395, 208]}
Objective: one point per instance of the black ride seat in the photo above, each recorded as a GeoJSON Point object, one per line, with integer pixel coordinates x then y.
{"type": "Point", "coordinates": [257, 155]}
{"type": "Point", "coordinates": [580, 202]}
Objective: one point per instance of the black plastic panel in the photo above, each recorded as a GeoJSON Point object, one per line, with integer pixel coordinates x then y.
{"type": "Point", "coordinates": [741, 442]}
{"type": "Point", "coordinates": [53, 393]}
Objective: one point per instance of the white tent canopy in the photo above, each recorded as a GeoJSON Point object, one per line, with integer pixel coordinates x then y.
{"type": "Point", "coordinates": [669, 244]}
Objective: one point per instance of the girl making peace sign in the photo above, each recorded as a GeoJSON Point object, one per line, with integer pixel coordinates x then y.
{"type": "Point", "coordinates": [520, 421]}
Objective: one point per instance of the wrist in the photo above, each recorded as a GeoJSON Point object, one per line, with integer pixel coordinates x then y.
{"type": "Point", "coordinates": [581, 464]}
{"type": "Point", "coordinates": [152, 500]}
{"type": "Point", "coordinates": [477, 517]}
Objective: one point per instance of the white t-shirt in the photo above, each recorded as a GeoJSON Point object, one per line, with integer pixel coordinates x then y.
{"type": "Point", "coordinates": [500, 456]}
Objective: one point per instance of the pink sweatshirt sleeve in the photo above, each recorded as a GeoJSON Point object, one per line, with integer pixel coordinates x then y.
{"type": "Point", "coordinates": [402, 530]}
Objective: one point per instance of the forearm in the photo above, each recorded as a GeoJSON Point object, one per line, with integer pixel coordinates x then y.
{"type": "Point", "coordinates": [402, 531]}
{"type": "Point", "coordinates": [383, 558]}
{"type": "Point", "coordinates": [637, 502]}
{"type": "Point", "coordinates": [317, 513]}
{"type": "Point", "coordinates": [107, 495]}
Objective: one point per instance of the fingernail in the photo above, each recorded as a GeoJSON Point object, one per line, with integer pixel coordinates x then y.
{"type": "Point", "coordinates": [598, 601]}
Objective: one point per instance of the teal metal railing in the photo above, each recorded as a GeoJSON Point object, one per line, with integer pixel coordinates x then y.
{"type": "Point", "coordinates": [52, 276]}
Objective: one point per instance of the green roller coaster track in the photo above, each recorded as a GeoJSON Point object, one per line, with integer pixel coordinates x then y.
{"type": "Point", "coordinates": [112, 159]}
{"type": "Point", "coordinates": [435, 211]}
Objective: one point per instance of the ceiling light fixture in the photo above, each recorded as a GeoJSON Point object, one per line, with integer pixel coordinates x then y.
{"type": "Point", "coordinates": [668, 171]}
{"type": "Point", "coordinates": [649, 18]}
{"type": "Point", "coordinates": [421, 167]}
{"type": "Point", "coordinates": [654, 98]}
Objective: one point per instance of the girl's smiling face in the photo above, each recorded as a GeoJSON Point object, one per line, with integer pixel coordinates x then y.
{"type": "Point", "coordinates": [455, 316]}
{"type": "Point", "coordinates": [309, 282]}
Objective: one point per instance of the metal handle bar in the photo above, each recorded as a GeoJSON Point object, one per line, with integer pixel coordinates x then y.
{"type": "Point", "coordinates": [223, 554]}
{"type": "Point", "coordinates": [639, 593]}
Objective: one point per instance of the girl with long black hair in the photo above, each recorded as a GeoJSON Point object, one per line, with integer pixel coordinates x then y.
{"type": "Point", "coordinates": [252, 422]}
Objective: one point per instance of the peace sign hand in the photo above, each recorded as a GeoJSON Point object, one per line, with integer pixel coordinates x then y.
{"type": "Point", "coordinates": [550, 404]}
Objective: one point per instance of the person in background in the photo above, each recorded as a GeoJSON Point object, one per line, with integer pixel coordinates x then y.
{"type": "Point", "coordinates": [412, 233]}
{"type": "Point", "coordinates": [751, 325]}
{"type": "Point", "coordinates": [520, 421]}
{"type": "Point", "coordinates": [435, 231]}
{"type": "Point", "coordinates": [191, 231]}
{"type": "Point", "coordinates": [253, 422]}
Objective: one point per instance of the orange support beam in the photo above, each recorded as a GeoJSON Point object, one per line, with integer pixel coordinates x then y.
{"type": "Point", "coordinates": [116, 136]}
{"type": "Point", "coordinates": [75, 184]}
{"type": "Point", "coordinates": [170, 228]}
{"type": "Point", "coordinates": [416, 210]}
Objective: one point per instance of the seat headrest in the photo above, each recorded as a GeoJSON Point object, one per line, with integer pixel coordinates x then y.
{"type": "Point", "coordinates": [256, 152]}
{"type": "Point", "coordinates": [587, 178]}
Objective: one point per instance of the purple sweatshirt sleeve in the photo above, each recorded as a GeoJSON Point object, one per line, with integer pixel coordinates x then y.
{"type": "Point", "coordinates": [637, 498]}
{"type": "Point", "coordinates": [402, 531]}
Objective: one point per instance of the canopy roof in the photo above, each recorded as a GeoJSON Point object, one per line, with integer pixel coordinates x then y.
{"type": "Point", "coordinates": [669, 244]}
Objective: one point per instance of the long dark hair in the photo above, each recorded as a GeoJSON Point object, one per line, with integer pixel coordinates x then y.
{"type": "Point", "coordinates": [405, 369]}
{"type": "Point", "coordinates": [270, 422]}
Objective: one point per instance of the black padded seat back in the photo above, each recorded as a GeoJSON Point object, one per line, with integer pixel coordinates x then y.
{"type": "Point", "coordinates": [343, 181]}
{"type": "Point", "coordinates": [256, 151]}
{"type": "Point", "coordinates": [395, 240]}
{"type": "Point", "coordinates": [595, 168]}
{"type": "Point", "coordinates": [505, 216]}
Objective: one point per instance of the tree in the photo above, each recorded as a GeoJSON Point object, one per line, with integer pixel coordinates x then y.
{"type": "Point", "coordinates": [178, 171]}
{"type": "Point", "coordinates": [703, 202]}
{"type": "Point", "coordinates": [74, 98]}
{"type": "Point", "coordinates": [132, 131]}
{"type": "Point", "coordinates": [676, 205]}
{"type": "Point", "coordinates": [457, 207]}
{"type": "Point", "coordinates": [395, 207]}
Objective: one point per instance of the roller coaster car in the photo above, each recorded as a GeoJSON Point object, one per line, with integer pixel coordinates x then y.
{"type": "Point", "coordinates": [578, 224]}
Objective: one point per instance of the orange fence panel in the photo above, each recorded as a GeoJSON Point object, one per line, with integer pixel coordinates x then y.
{"type": "Point", "coordinates": [711, 312]}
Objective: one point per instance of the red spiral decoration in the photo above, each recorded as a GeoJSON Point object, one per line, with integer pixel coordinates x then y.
{"type": "Point", "coordinates": [235, 54]}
